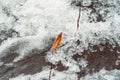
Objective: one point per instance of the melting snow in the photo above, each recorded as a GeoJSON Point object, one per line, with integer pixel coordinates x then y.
{"type": "Point", "coordinates": [37, 21]}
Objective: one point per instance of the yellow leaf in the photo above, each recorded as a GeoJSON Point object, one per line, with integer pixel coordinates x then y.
{"type": "Point", "coordinates": [56, 41]}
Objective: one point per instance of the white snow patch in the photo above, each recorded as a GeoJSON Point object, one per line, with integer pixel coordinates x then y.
{"type": "Point", "coordinates": [45, 75]}
{"type": "Point", "coordinates": [103, 75]}
{"type": "Point", "coordinates": [36, 18]}
{"type": "Point", "coordinates": [39, 20]}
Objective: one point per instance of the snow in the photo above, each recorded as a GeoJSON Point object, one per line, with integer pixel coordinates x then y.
{"type": "Point", "coordinates": [41, 20]}
{"type": "Point", "coordinates": [101, 75]}
{"type": "Point", "coordinates": [42, 75]}
{"type": "Point", "coordinates": [32, 26]}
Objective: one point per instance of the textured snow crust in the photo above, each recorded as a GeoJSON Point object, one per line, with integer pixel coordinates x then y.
{"type": "Point", "coordinates": [32, 24]}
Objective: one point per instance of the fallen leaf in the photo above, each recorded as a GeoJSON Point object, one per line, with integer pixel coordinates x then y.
{"type": "Point", "coordinates": [56, 41]}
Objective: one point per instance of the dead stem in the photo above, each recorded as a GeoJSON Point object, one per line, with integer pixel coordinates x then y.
{"type": "Point", "coordinates": [50, 72]}
{"type": "Point", "coordinates": [78, 20]}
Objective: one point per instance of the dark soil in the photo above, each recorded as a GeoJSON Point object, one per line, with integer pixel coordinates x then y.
{"type": "Point", "coordinates": [34, 63]}
{"type": "Point", "coordinates": [29, 65]}
{"type": "Point", "coordinates": [99, 59]}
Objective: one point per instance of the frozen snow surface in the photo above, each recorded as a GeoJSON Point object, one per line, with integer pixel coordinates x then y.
{"type": "Point", "coordinates": [32, 24]}
{"type": "Point", "coordinates": [101, 75]}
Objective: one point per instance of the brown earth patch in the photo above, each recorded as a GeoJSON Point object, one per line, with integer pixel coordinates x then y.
{"type": "Point", "coordinates": [98, 59]}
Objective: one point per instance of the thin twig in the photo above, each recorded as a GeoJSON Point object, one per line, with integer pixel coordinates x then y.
{"type": "Point", "coordinates": [51, 66]}
{"type": "Point", "coordinates": [50, 72]}
{"type": "Point", "coordinates": [78, 20]}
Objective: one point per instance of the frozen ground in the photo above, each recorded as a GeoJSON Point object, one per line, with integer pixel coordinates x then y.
{"type": "Point", "coordinates": [28, 28]}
